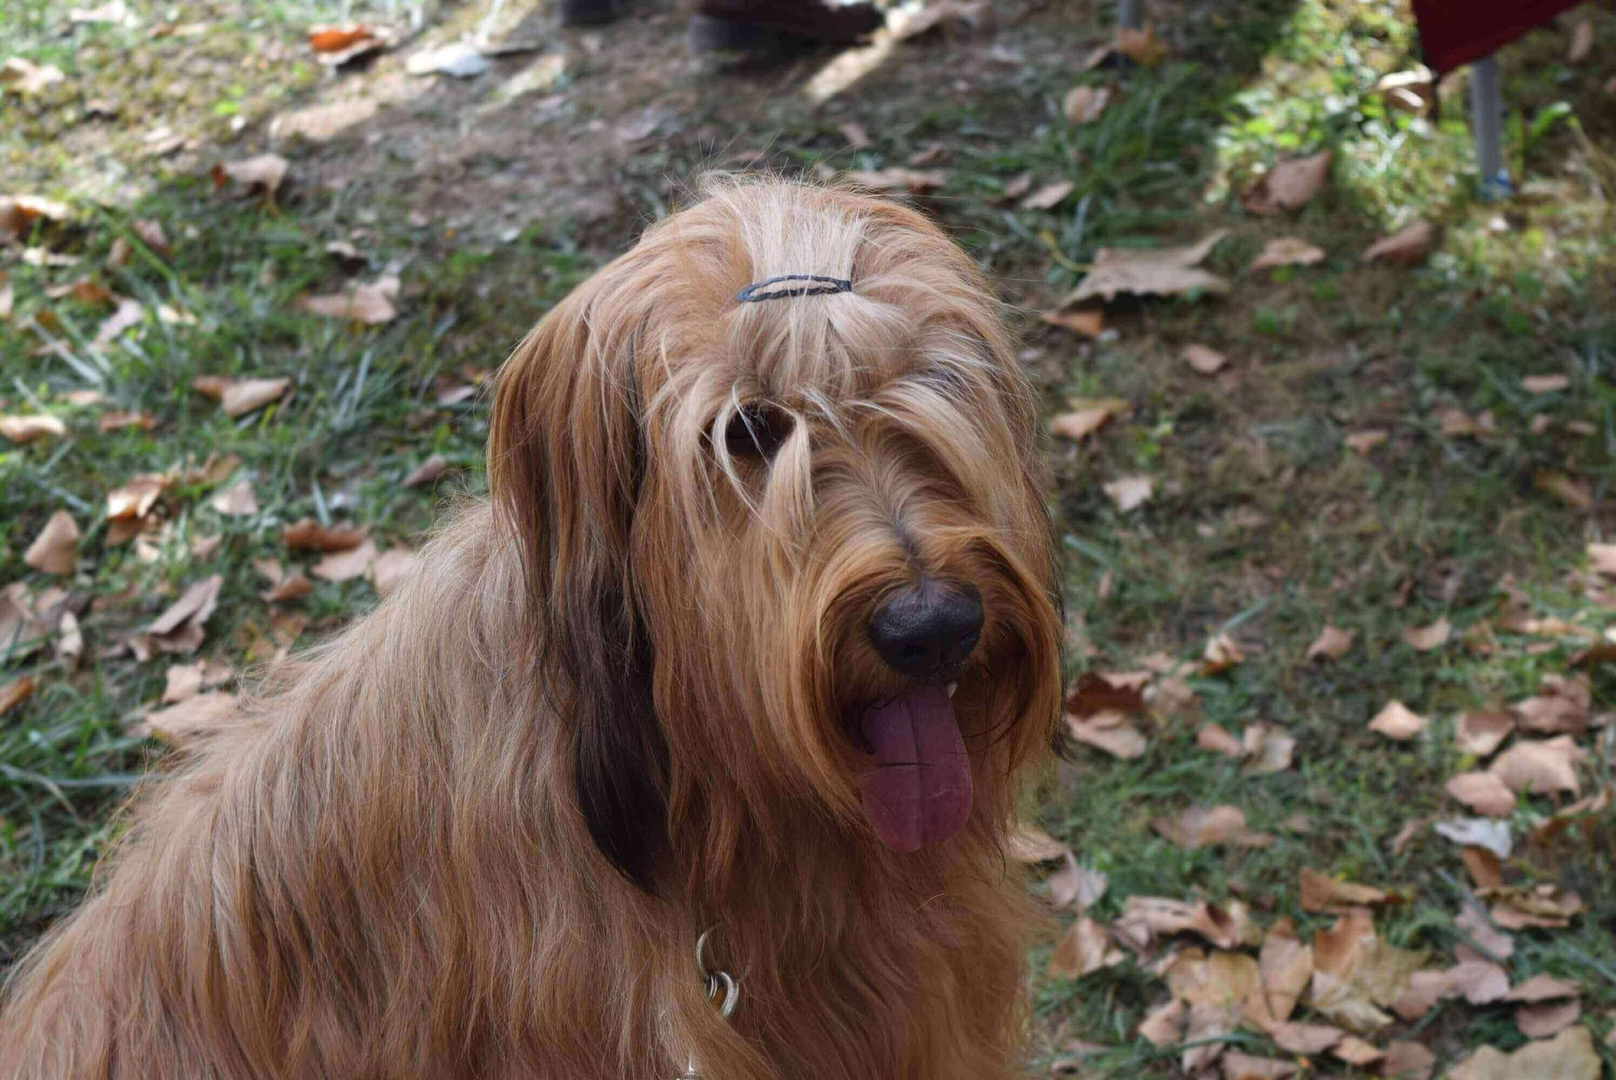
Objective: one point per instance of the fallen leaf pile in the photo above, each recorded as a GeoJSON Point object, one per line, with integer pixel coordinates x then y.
{"type": "Point", "coordinates": [1343, 994]}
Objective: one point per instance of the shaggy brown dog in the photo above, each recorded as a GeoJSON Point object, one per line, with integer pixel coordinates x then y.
{"type": "Point", "coordinates": [692, 668]}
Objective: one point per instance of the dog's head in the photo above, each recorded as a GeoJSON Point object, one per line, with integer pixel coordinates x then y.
{"type": "Point", "coordinates": [789, 552]}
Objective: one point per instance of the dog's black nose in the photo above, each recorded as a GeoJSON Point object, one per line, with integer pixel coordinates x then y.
{"type": "Point", "coordinates": [928, 628]}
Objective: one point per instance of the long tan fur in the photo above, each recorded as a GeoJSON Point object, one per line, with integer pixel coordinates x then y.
{"type": "Point", "coordinates": [646, 647]}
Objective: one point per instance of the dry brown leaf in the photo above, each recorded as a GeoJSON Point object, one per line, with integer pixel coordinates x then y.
{"type": "Point", "coordinates": [1541, 767]}
{"type": "Point", "coordinates": [1424, 990]}
{"type": "Point", "coordinates": [1106, 691]}
{"type": "Point", "coordinates": [1456, 422]}
{"type": "Point", "coordinates": [1144, 918]}
{"type": "Point", "coordinates": [1170, 696]}
{"type": "Point", "coordinates": [1582, 42]}
{"type": "Point", "coordinates": [858, 138]}
{"type": "Point", "coordinates": [1199, 827]}
{"type": "Point", "coordinates": [1088, 415]}
{"type": "Point", "coordinates": [1485, 868]}
{"type": "Point", "coordinates": [369, 304]}
{"type": "Point", "coordinates": [1602, 559]}
{"type": "Point", "coordinates": [1269, 748]}
{"type": "Point", "coordinates": [237, 500]}
{"type": "Point", "coordinates": [18, 213]}
{"type": "Point", "coordinates": [1480, 982]}
{"type": "Point", "coordinates": [1159, 271]}
{"type": "Point", "coordinates": [181, 681]}
{"type": "Point", "coordinates": [1384, 972]}
{"type": "Point", "coordinates": [151, 234]}
{"type": "Point", "coordinates": [1285, 968]}
{"type": "Point", "coordinates": [1344, 1003]}
{"type": "Point", "coordinates": [136, 498]}
{"type": "Point", "coordinates": [310, 535]}
{"type": "Point", "coordinates": [241, 396]}
{"type": "Point", "coordinates": [1482, 732]}
{"type": "Point", "coordinates": [1238, 1066]}
{"type": "Point", "coordinates": [1396, 721]}
{"type": "Point", "coordinates": [1306, 1038]}
{"type": "Point", "coordinates": [1570, 490]}
{"type": "Point", "coordinates": [1214, 738]}
{"type": "Point", "coordinates": [346, 565]}
{"type": "Point", "coordinates": [1541, 988]}
{"type": "Point", "coordinates": [1084, 104]}
{"type": "Point", "coordinates": [1287, 251]}
{"type": "Point", "coordinates": [16, 691]}
{"type": "Point", "coordinates": [1545, 384]}
{"type": "Point", "coordinates": [1428, 638]}
{"type": "Point", "coordinates": [1354, 1051]}
{"type": "Point", "coordinates": [55, 549]}
{"type": "Point", "coordinates": [262, 174]}
{"type": "Point", "coordinates": [1408, 246]}
{"type": "Point", "coordinates": [1076, 884]}
{"type": "Point", "coordinates": [390, 569]}
{"type": "Point", "coordinates": [1568, 1056]}
{"type": "Point", "coordinates": [246, 395]}
{"type": "Point", "coordinates": [1130, 492]}
{"type": "Point", "coordinates": [1541, 907]}
{"type": "Point", "coordinates": [917, 181]}
{"type": "Point", "coordinates": [1204, 1036]}
{"type": "Point", "coordinates": [193, 717]}
{"type": "Point", "coordinates": [1289, 185]}
{"type": "Point", "coordinates": [1164, 1025]}
{"type": "Point", "coordinates": [1331, 644]}
{"type": "Point", "coordinates": [1407, 1061]}
{"type": "Point", "coordinates": [1484, 793]}
{"type": "Point", "coordinates": [1110, 732]}
{"type": "Point", "coordinates": [1338, 948]}
{"type": "Point", "coordinates": [426, 472]}
{"type": "Point", "coordinates": [1142, 46]}
{"type": "Point", "coordinates": [1085, 948]}
{"type": "Point", "coordinates": [25, 429]}
{"type": "Point", "coordinates": [1559, 707]}
{"type": "Point", "coordinates": [1542, 1021]}
{"type": "Point", "coordinates": [1406, 835]}
{"type": "Point", "coordinates": [1362, 442]}
{"type": "Point", "coordinates": [1049, 196]}
{"type": "Point", "coordinates": [179, 629]}
{"type": "Point", "coordinates": [1221, 654]}
{"type": "Point", "coordinates": [1321, 893]}
{"type": "Point", "coordinates": [336, 39]}
{"type": "Point", "coordinates": [1031, 844]}
{"type": "Point", "coordinates": [1088, 322]}
{"type": "Point", "coordinates": [1206, 361]}
{"type": "Point", "coordinates": [1222, 979]}
{"type": "Point", "coordinates": [120, 420]}
{"type": "Point", "coordinates": [288, 588]}
{"type": "Point", "coordinates": [128, 315]}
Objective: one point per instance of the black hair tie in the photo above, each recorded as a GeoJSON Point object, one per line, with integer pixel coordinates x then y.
{"type": "Point", "coordinates": [775, 288]}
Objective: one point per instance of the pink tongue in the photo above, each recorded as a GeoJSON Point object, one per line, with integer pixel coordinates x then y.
{"type": "Point", "coordinates": [920, 791]}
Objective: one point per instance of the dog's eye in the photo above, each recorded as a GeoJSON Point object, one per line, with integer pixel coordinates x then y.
{"type": "Point", "coordinates": [757, 431]}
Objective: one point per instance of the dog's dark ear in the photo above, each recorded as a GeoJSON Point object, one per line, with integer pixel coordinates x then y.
{"type": "Point", "coordinates": [565, 463]}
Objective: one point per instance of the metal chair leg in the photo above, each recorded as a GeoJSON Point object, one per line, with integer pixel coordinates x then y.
{"type": "Point", "coordinates": [1487, 119]}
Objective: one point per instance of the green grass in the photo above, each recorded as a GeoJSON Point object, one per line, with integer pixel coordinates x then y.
{"type": "Point", "coordinates": [1263, 523]}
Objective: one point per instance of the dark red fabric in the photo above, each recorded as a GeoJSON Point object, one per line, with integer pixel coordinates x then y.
{"type": "Point", "coordinates": [1455, 32]}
